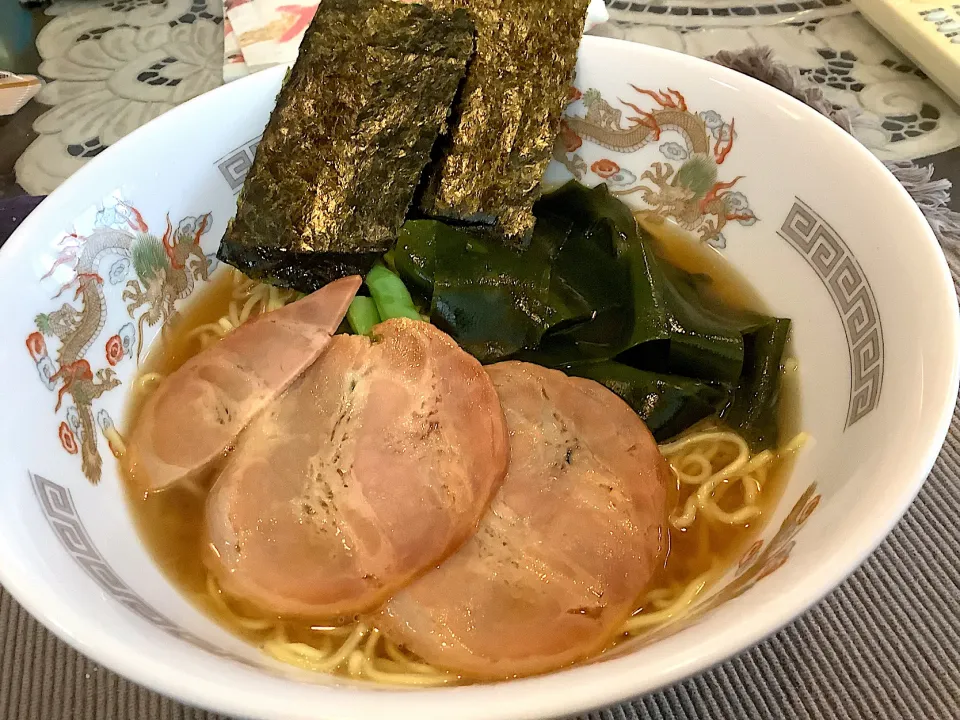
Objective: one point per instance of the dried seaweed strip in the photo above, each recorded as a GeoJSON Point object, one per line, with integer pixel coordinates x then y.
{"type": "Point", "coordinates": [508, 113]}
{"type": "Point", "coordinates": [345, 148]}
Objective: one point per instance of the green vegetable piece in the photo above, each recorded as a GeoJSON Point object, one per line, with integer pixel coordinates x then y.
{"type": "Point", "coordinates": [565, 305]}
{"type": "Point", "coordinates": [712, 344]}
{"type": "Point", "coordinates": [591, 281]}
{"type": "Point", "coordinates": [390, 261]}
{"type": "Point", "coordinates": [641, 310]}
{"type": "Point", "coordinates": [701, 341]}
{"type": "Point", "coordinates": [390, 294]}
{"type": "Point", "coordinates": [668, 404]}
{"type": "Point", "coordinates": [584, 206]}
{"type": "Point", "coordinates": [489, 297]}
{"type": "Point", "coordinates": [362, 315]}
{"type": "Point", "coordinates": [606, 271]}
{"type": "Point", "coordinates": [753, 411]}
{"type": "Point", "coordinates": [676, 331]}
{"type": "Point", "coordinates": [650, 312]}
{"type": "Point", "coordinates": [415, 253]}
{"type": "Point", "coordinates": [590, 296]}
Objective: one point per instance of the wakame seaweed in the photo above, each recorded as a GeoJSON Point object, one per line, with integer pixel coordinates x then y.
{"type": "Point", "coordinates": [490, 297]}
{"type": "Point", "coordinates": [344, 149]}
{"type": "Point", "coordinates": [590, 296]}
{"type": "Point", "coordinates": [642, 310]}
{"type": "Point", "coordinates": [686, 337]}
{"type": "Point", "coordinates": [753, 411]}
{"type": "Point", "coordinates": [507, 115]}
{"type": "Point", "coordinates": [668, 404]}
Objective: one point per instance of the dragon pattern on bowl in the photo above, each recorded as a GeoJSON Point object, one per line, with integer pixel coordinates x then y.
{"type": "Point", "coordinates": [685, 186]}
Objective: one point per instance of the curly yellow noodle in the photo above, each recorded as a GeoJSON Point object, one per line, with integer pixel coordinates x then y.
{"type": "Point", "coordinates": [692, 459]}
{"type": "Point", "coordinates": [216, 594]}
{"type": "Point", "coordinates": [116, 442]}
{"type": "Point", "coordinates": [310, 657]}
{"type": "Point", "coordinates": [248, 307]}
{"type": "Point", "coordinates": [670, 609]}
{"type": "Point", "coordinates": [749, 470]}
{"type": "Point", "coordinates": [248, 299]}
{"type": "Point", "coordinates": [358, 654]}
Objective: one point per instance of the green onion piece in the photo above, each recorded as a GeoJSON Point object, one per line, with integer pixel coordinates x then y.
{"type": "Point", "coordinates": [390, 260]}
{"type": "Point", "coordinates": [362, 315]}
{"type": "Point", "coordinates": [390, 294]}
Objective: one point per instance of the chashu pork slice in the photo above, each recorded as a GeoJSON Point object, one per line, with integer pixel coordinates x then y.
{"type": "Point", "coordinates": [567, 547]}
{"type": "Point", "coordinates": [373, 467]}
{"type": "Point", "coordinates": [198, 411]}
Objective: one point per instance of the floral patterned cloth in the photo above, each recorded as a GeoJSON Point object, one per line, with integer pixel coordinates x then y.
{"type": "Point", "coordinates": [898, 113]}
{"type": "Point", "coordinates": [113, 65]}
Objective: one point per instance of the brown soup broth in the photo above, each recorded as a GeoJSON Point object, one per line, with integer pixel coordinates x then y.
{"type": "Point", "coordinates": [170, 523]}
{"type": "Point", "coordinates": [691, 552]}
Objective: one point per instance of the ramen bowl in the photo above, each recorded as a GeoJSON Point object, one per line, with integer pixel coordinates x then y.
{"type": "Point", "coordinates": [824, 234]}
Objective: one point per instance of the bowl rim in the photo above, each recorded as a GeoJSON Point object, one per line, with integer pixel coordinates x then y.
{"type": "Point", "coordinates": [555, 694]}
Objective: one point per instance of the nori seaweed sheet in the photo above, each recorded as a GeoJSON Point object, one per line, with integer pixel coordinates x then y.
{"type": "Point", "coordinates": [345, 148]}
{"type": "Point", "coordinates": [508, 112]}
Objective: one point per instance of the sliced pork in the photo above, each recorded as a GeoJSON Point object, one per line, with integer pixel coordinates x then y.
{"type": "Point", "coordinates": [197, 412]}
{"type": "Point", "coordinates": [374, 466]}
{"type": "Point", "coordinates": [567, 547]}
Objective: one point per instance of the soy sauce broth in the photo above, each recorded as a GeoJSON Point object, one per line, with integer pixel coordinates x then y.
{"type": "Point", "coordinates": [691, 552]}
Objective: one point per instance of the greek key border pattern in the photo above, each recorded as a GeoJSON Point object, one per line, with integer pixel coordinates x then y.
{"type": "Point", "coordinates": [833, 262]}
{"type": "Point", "coordinates": [236, 163]}
{"type": "Point", "coordinates": [60, 512]}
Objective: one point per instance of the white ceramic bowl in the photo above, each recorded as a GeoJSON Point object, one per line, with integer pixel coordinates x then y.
{"type": "Point", "coordinates": [818, 226]}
